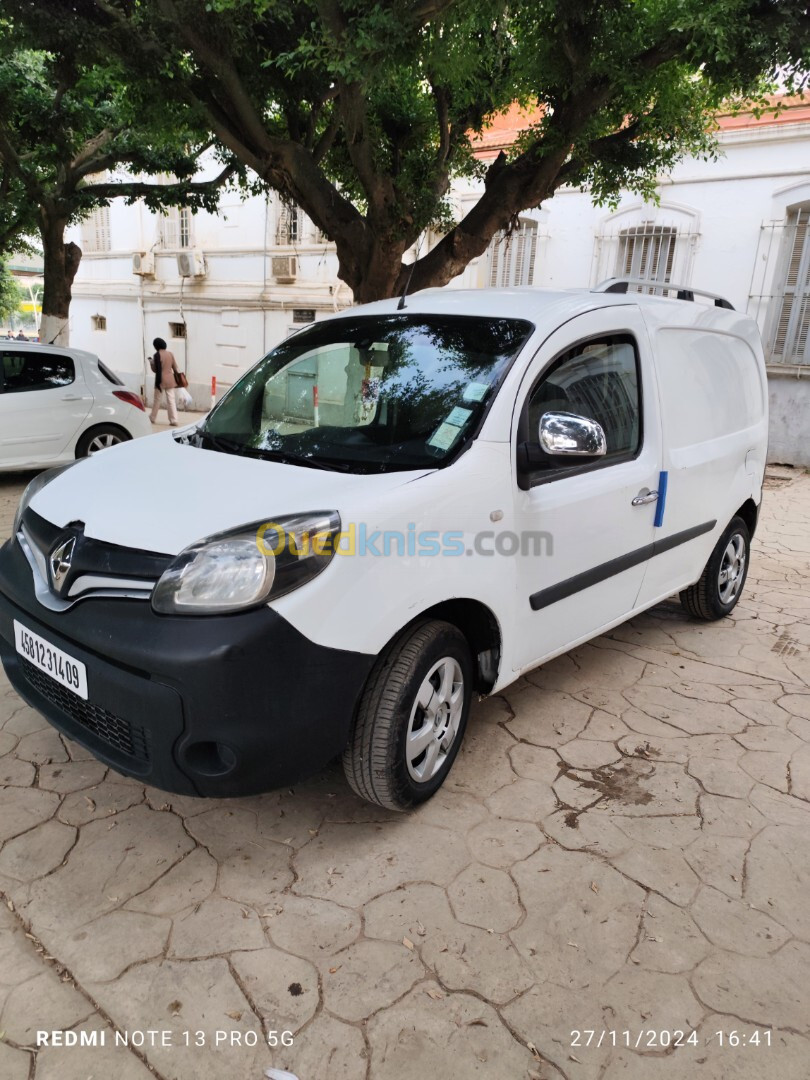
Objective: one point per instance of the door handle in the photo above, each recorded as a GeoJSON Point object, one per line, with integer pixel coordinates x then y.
{"type": "Point", "coordinates": [642, 500]}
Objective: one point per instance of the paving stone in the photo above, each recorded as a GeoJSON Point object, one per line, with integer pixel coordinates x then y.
{"type": "Point", "coordinates": [100, 951]}
{"type": "Point", "coordinates": [549, 1016]}
{"type": "Point", "coordinates": [101, 801]}
{"type": "Point", "coordinates": [215, 926]}
{"type": "Point", "coordinates": [482, 765]}
{"type": "Point", "coordinates": [88, 1062]}
{"type": "Point", "coordinates": [42, 747]}
{"type": "Point", "coordinates": [771, 739]}
{"type": "Point", "coordinates": [18, 961]}
{"type": "Point", "coordinates": [603, 726]}
{"type": "Point", "coordinates": [37, 852]}
{"type": "Point", "coordinates": [535, 762]}
{"type": "Point", "coordinates": [463, 957]}
{"type": "Point", "coordinates": [367, 976]}
{"type": "Point", "coordinates": [670, 940]}
{"type": "Point", "coordinates": [768, 990]}
{"type": "Point", "coordinates": [454, 1036]}
{"type": "Point", "coordinates": [283, 989]}
{"type": "Point", "coordinates": [454, 810]}
{"type": "Point", "coordinates": [23, 808]}
{"type": "Point", "coordinates": [352, 863]}
{"type": "Point", "coordinates": [591, 830]}
{"type": "Point", "coordinates": [779, 807]}
{"type": "Point", "coordinates": [173, 995]}
{"type": "Point", "coordinates": [252, 868]}
{"type": "Point", "coordinates": [589, 666]}
{"type": "Point", "coordinates": [311, 928]}
{"type": "Point", "coordinates": [188, 882]}
{"type": "Point", "coordinates": [719, 861]}
{"type": "Point", "coordinates": [730, 817]}
{"type": "Point", "coordinates": [662, 832]}
{"type": "Point", "coordinates": [16, 773]}
{"type": "Point", "coordinates": [766, 768]}
{"type": "Point", "coordinates": [548, 718]}
{"type": "Point", "coordinates": [588, 754]}
{"type": "Point", "coordinates": [796, 705]}
{"type": "Point", "coordinates": [500, 842]}
{"type": "Point", "coordinates": [110, 863]}
{"type": "Point", "coordinates": [778, 877]}
{"type": "Point", "coordinates": [43, 996]}
{"type": "Point", "coordinates": [14, 1064]}
{"type": "Point", "coordinates": [718, 777]}
{"type": "Point", "coordinates": [664, 871]}
{"type": "Point", "coordinates": [736, 926]}
{"type": "Point", "coordinates": [577, 791]}
{"type": "Point", "coordinates": [71, 775]}
{"type": "Point", "coordinates": [582, 916]}
{"type": "Point", "coordinates": [328, 1049]}
{"type": "Point", "coordinates": [643, 787]}
{"type": "Point", "coordinates": [800, 773]}
{"type": "Point", "coordinates": [693, 716]}
{"type": "Point", "coordinates": [485, 897]}
{"type": "Point", "coordinates": [641, 1000]}
{"type": "Point", "coordinates": [523, 800]}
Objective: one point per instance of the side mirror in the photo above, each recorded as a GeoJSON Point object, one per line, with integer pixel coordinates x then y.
{"type": "Point", "coordinates": [566, 434]}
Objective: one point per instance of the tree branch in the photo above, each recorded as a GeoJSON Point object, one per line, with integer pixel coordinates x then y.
{"type": "Point", "coordinates": [170, 193]}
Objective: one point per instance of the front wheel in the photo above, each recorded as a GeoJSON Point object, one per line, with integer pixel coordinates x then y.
{"type": "Point", "coordinates": [411, 717]}
{"type": "Point", "coordinates": [720, 585]}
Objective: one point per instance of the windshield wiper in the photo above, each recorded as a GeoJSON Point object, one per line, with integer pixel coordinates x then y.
{"type": "Point", "coordinates": [230, 446]}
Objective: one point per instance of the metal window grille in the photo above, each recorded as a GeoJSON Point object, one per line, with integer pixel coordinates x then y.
{"type": "Point", "coordinates": [289, 229]}
{"type": "Point", "coordinates": [646, 251]}
{"type": "Point", "coordinates": [790, 335]}
{"type": "Point", "coordinates": [96, 231]}
{"type": "Point", "coordinates": [512, 256]}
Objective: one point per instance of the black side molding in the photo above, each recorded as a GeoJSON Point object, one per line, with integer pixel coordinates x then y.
{"type": "Point", "coordinates": [605, 570]}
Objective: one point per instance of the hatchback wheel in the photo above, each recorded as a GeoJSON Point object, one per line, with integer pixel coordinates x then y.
{"type": "Point", "coordinates": [100, 438]}
{"type": "Point", "coordinates": [720, 585]}
{"type": "Point", "coordinates": [411, 717]}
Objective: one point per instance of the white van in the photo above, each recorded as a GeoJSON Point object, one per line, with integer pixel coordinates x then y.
{"type": "Point", "coordinates": [397, 508]}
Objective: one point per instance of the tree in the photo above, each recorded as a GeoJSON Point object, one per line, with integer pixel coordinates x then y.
{"type": "Point", "coordinates": [362, 111]}
{"type": "Point", "coordinates": [67, 118]}
{"type": "Point", "coordinates": [10, 293]}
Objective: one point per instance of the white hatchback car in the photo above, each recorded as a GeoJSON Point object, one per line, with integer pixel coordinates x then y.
{"type": "Point", "coordinates": [396, 509]}
{"type": "Point", "coordinates": [57, 405]}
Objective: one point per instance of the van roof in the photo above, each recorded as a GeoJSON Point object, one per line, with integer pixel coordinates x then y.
{"type": "Point", "coordinates": [546, 308]}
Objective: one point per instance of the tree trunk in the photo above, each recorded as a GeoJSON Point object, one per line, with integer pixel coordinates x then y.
{"type": "Point", "coordinates": [61, 261]}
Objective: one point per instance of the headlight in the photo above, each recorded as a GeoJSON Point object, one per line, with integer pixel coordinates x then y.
{"type": "Point", "coordinates": [248, 566]}
{"type": "Point", "coordinates": [37, 484]}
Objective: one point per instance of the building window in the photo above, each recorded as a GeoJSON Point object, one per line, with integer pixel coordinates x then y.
{"type": "Point", "coordinates": [99, 322]}
{"type": "Point", "coordinates": [175, 228]}
{"type": "Point", "coordinates": [177, 329]}
{"type": "Point", "coordinates": [96, 231]}
{"type": "Point", "coordinates": [303, 315]}
{"type": "Point", "coordinates": [290, 226]}
{"type": "Point", "coordinates": [647, 252]}
{"type": "Point", "coordinates": [790, 338]}
{"type": "Point", "coordinates": [512, 256]}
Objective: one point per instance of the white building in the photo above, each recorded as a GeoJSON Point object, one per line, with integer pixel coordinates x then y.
{"type": "Point", "coordinates": [224, 289]}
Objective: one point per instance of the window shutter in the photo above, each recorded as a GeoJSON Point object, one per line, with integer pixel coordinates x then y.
{"type": "Point", "coordinates": [793, 323]}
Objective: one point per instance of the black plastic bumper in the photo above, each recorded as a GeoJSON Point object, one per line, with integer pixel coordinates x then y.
{"type": "Point", "coordinates": [218, 705]}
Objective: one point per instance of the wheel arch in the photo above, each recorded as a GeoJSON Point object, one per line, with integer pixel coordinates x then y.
{"type": "Point", "coordinates": [478, 624]}
{"type": "Point", "coordinates": [749, 512]}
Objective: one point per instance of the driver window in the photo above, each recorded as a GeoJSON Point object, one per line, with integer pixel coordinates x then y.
{"type": "Point", "coordinates": [598, 380]}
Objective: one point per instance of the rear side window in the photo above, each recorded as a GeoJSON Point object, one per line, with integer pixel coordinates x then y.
{"type": "Point", "coordinates": [35, 371]}
{"type": "Point", "coordinates": [110, 376]}
{"type": "Point", "coordinates": [598, 380]}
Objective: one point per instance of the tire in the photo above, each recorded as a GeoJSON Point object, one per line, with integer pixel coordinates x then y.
{"type": "Point", "coordinates": [430, 657]}
{"type": "Point", "coordinates": [107, 434]}
{"type": "Point", "coordinates": [710, 597]}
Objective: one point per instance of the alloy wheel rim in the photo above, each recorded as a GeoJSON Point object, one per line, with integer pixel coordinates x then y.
{"type": "Point", "coordinates": [102, 442]}
{"type": "Point", "coordinates": [732, 569]}
{"type": "Point", "coordinates": [435, 719]}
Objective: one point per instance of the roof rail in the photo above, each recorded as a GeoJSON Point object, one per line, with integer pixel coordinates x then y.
{"type": "Point", "coordinates": [684, 292]}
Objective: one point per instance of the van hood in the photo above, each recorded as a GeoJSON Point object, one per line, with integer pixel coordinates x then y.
{"type": "Point", "coordinates": [158, 494]}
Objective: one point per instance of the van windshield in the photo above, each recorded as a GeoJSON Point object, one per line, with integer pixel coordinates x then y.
{"type": "Point", "coordinates": [369, 394]}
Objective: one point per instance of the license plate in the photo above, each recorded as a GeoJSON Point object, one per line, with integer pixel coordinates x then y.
{"type": "Point", "coordinates": [70, 673]}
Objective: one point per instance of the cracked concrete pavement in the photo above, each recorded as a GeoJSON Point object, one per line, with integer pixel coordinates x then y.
{"type": "Point", "coordinates": [623, 845]}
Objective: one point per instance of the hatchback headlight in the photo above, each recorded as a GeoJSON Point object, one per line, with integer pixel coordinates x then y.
{"type": "Point", "coordinates": [40, 481]}
{"type": "Point", "coordinates": [248, 566]}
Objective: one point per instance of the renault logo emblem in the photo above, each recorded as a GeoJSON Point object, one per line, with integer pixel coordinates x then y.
{"type": "Point", "coordinates": [60, 561]}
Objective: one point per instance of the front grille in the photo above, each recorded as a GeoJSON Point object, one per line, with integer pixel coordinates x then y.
{"type": "Point", "coordinates": [111, 729]}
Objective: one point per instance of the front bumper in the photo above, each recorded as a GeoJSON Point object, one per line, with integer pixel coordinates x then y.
{"type": "Point", "coordinates": [216, 706]}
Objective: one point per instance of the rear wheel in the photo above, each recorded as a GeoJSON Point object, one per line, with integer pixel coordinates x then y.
{"type": "Point", "coordinates": [411, 717]}
{"type": "Point", "coordinates": [100, 438]}
{"type": "Point", "coordinates": [720, 585]}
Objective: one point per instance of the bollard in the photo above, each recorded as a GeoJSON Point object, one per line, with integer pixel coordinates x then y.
{"type": "Point", "coordinates": [213, 390]}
